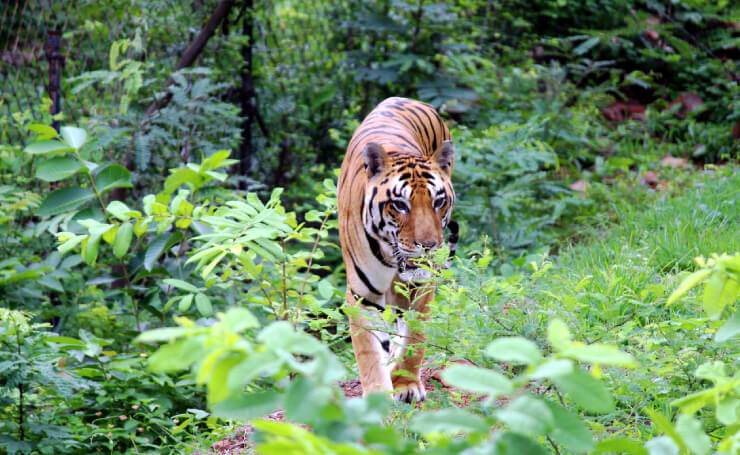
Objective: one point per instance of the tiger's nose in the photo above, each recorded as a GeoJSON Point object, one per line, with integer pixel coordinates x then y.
{"type": "Point", "coordinates": [427, 244]}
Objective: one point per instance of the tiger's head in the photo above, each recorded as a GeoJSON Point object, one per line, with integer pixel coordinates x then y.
{"type": "Point", "coordinates": [408, 202]}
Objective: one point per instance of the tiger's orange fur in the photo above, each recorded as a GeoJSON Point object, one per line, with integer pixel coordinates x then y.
{"type": "Point", "coordinates": [395, 197]}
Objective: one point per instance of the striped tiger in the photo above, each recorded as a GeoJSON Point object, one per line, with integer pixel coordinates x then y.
{"type": "Point", "coordinates": [395, 197]}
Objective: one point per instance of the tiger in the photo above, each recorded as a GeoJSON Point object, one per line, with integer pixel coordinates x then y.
{"type": "Point", "coordinates": [394, 199]}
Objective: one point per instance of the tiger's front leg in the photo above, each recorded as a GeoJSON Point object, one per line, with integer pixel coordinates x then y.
{"type": "Point", "coordinates": [372, 358]}
{"type": "Point", "coordinates": [408, 347]}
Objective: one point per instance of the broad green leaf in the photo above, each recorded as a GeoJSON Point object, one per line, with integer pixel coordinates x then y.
{"type": "Point", "coordinates": [527, 415]}
{"type": "Point", "coordinates": [121, 211]}
{"type": "Point", "coordinates": [553, 368]}
{"type": "Point", "coordinates": [176, 356]}
{"type": "Point", "coordinates": [691, 403]}
{"type": "Point", "coordinates": [727, 410]}
{"type": "Point", "coordinates": [90, 248]}
{"type": "Point", "coordinates": [662, 445]}
{"type": "Point", "coordinates": [586, 391]}
{"type": "Point", "coordinates": [185, 303]}
{"type": "Point", "coordinates": [180, 284]}
{"type": "Point", "coordinates": [123, 240]}
{"type": "Point", "coordinates": [219, 372]}
{"type": "Point", "coordinates": [247, 406]}
{"type": "Point", "coordinates": [451, 420]}
{"type": "Point", "coordinates": [713, 288]}
{"type": "Point", "coordinates": [569, 430]}
{"type": "Point", "coordinates": [44, 131]}
{"type": "Point", "coordinates": [73, 136]}
{"type": "Point", "coordinates": [731, 329]}
{"type": "Point", "coordinates": [57, 168]}
{"type": "Point", "coordinates": [586, 45]}
{"type": "Point", "coordinates": [45, 147]}
{"type": "Point", "coordinates": [163, 334]}
{"type": "Point", "coordinates": [598, 353]}
{"type": "Point", "coordinates": [239, 319]}
{"type": "Point", "coordinates": [112, 176]}
{"type": "Point", "coordinates": [203, 304]}
{"type": "Point", "coordinates": [64, 340]}
{"type": "Point", "coordinates": [693, 435]}
{"type": "Point", "coordinates": [514, 350]}
{"type": "Point", "coordinates": [516, 444]}
{"type": "Point", "coordinates": [620, 445]}
{"type": "Point", "coordinates": [303, 398]}
{"type": "Point", "coordinates": [478, 380]}
{"type": "Point", "coordinates": [159, 245]}
{"type": "Point", "coordinates": [64, 200]}
{"type": "Point", "coordinates": [663, 425]}
{"type": "Point", "coordinates": [688, 283]}
{"type": "Point", "coordinates": [558, 335]}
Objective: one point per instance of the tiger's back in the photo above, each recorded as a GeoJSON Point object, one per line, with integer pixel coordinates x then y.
{"type": "Point", "coordinates": [394, 199]}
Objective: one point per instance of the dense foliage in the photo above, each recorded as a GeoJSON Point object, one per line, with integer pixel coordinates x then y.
{"type": "Point", "coordinates": [169, 261]}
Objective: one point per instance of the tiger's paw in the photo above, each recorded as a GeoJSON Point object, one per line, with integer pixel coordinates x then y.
{"type": "Point", "coordinates": [408, 390]}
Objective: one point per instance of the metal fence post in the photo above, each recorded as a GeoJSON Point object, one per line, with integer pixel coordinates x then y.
{"type": "Point", "coordinates": [56, 62]}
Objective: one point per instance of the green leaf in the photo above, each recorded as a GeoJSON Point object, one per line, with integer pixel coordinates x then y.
{"type": "Point", "coordinates": [239, 319]}
{"type": "Point", "coordinates": [121, 211]}
{"type": "Point", "coordinates": [163, 334]}
{"type": "Point", "coordinates": [558, 335]}
{"type": "Point", "coordinates": [514, 350]}
{"type": "Point", "coordinates": [712, 291]}
{"type": "Point", "coordinates": [727, 410]}
{"type": "Point", "coordinates": [516, 444]}
{"type": "Point", "coordinates": [203, 304]}
{"type": "Point", "coordinates": [46, 147]}
{"type": "Point", "coordinates": [176, 356]}
{"type": "Point", "coordinates": [663, 425]}
{"type": "Point", "coordinates": [527, 415]}
{"type": "Point", "coordinates": [688, 283]}
{"type": "Point", "coordinates": [90, 248]}
{"type": "Point", "coordinates": [569, 430]}
{"type": "Point", "coordinates": [586, 45]}
{"type": "Point", "coordinates": [44, 131]}
{"type": "Point", "coordinates": [180, 284]}
{"type": "Point", "coordinates": [662, 445]}
{"type": "Point", "coordinates": [73, 136]}
{"type": "Point", "coordinates": [159, 245]}
{"type": "Point", "coordinates": [553, 368]}
{"type": "Point", "coordinates": [586, 391]}
{"type": "Point", "coordinates": [123, 240]}
{"type": "Point", "coordinates": [185, 303]}
{"type": "Point", "coordinates": [112, 176]}
{"type": "Point", "coordinates": [478, 380]}
{"type": "Point", "coordinates": [693, 435]}
{"type": "Point", "coordinates": [247, 406]}
{"type": "Point", "coordinates": [599, 353]}
{"type": "Point", "coordinates": [57, 168]}
{"type": "Point", "coordinates": [451, 420]}
{"type": "Point", "coordinates": [64, 200]}
{"type": "Point", "coordinates": [620, 445]}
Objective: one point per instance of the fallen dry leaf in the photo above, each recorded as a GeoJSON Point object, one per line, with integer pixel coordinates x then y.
{"type": "Point", "coordinates": [689, 103]}
{"type": "Point", "coordinates": [650, 178]}
{"type": "Point", "coordinates": [578, 185]}
{"type": "Point", "coordinates": [672, 161]}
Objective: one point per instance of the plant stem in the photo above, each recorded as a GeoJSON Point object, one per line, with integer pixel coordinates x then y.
{"type": "Point", "coordinates": [310, 259]}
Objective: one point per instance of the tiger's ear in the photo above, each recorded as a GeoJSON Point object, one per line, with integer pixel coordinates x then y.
{"type": "Point", "coordinates": [444, 156]}
{"type": "Point", "coordinates": [375, 159]}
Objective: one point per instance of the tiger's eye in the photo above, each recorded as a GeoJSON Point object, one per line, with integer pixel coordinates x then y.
{"type": "Point", "coordinates": [438, 203]}
{"type": "Point", "coordinates": [400, 206]}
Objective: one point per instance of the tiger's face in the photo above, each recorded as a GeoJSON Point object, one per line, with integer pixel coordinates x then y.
{"type": "Point", "coordinates": [408, 203]}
